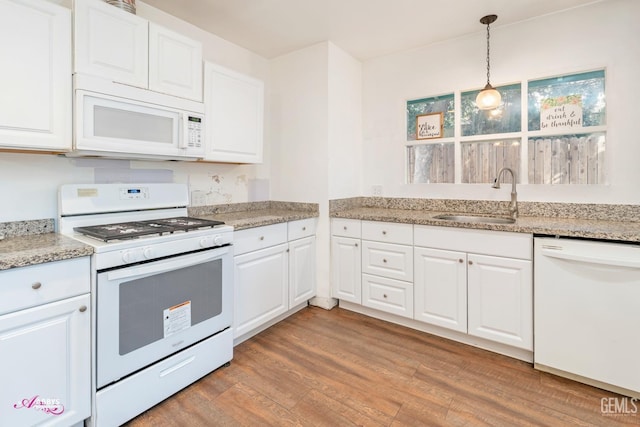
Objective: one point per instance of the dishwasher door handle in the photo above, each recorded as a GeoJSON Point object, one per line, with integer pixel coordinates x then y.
{"type": "Point", "coordinates": [556, 252]}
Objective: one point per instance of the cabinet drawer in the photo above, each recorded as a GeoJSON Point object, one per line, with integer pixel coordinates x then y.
{"type": "Point", "coordinates": [486, 242]}
{"type": "Point", "coordinates": [388, 260]}
{"type": "Point", "coordinates": [253, 239]}
{"type": "Point", "coordinates": [392, 296]}
{"type": "Point", "coordinates": [387, 232]}
{"type": "Point", "coordinates": [43, 283]}
{"type": "Point", "coordinates": [345, 227]}
{"type": "Point", "coordinates": [301, 228]}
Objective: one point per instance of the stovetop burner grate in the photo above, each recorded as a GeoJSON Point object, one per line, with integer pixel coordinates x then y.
{"type": "Point", "coordinates": [135, 229]}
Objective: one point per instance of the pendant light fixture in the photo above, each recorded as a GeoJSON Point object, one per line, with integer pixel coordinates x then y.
{"type": "Point", "coordinates": [488, 98]}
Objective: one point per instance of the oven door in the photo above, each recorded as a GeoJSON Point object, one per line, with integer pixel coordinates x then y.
{"type": "Point", "coordinates": [146, 312]}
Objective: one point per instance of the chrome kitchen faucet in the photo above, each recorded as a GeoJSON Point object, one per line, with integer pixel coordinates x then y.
{"type": "Point", "coordinates": [513, 206]}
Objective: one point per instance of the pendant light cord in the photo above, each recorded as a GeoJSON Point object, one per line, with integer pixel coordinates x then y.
{"type": "Point", "coordinates": [488, 62]}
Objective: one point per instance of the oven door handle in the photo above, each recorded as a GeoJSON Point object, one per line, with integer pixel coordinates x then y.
{"type": "Point", "coordinates": [168, 264]}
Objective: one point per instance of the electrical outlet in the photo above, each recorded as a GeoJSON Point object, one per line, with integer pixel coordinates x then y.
{"type": "Point", "coordinates": [377, 190]}
{"type": "Point", "coordinates": [198, 198]}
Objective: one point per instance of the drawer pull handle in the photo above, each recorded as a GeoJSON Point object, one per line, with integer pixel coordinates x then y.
{"type": "Point", "coordinates": [345, 227]}
{"type": "Point", "coordinates": [384, 296]}
{"type": "Point", "coordinates": [36, 285]}
{"type": "Point", "coordinates": [470, 262]}
{"type": "Point", "coordinates": [304, 228]}
{"type": "Point", "coordinates": [356, 245]}
{"type": "Point", "coordinates": [261, 237]}
{"type": "Point", "coordinates": [460, 260]}
{"type": "Point", "coordinates": [384, 233]}
{"type": "Point", "coordinates": [83, 308]}
{"type": "Point", "coordinates": [384, 260]}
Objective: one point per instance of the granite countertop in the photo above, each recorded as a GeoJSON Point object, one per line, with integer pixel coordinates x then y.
{"type": "Point", "coordinates": [608, 222]}
{"type": "Point", "coordinates": [31, 242]}
{"type": "Point", "coordinates": [256, 214]}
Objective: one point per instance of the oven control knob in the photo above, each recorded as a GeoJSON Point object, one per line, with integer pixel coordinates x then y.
{"type": "Point", "coordinates": [205, 242]}
{"type": "Point", "coordinates": [218, 240]}
{"type": "Point", "coordinates": [148, 253]}
{"type": "Point", "coordinates": [127, 257]}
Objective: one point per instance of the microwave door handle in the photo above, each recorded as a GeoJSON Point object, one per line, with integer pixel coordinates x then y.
{"type": "Point", "coordinates": [183, 138]}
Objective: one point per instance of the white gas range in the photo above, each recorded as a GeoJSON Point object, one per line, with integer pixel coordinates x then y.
{"type": "Point", "coordinates": [161, 292]}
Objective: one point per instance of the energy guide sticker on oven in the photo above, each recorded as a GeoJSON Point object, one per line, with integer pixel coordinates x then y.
{"type": "Point", "coordinates": [177, 318]}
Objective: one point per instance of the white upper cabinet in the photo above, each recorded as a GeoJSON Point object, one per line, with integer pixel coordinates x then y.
{"type": "Point", "coordinates": [110, 43]}
{"type": "Point", "coordinates": [175, 63]}
{"type": "Point", "coordinates": [234, 108]}
{"type": "Point", "coordinates": [35, 76]}
{"type": "Point", "coordinates": [117, 45]}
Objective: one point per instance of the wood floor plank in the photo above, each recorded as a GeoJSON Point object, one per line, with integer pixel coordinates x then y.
{"type": "Point", "coordinates": [340, 368]}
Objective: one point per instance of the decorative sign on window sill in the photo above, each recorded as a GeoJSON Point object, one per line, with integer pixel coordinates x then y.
{"type": "Point", "coordinates": [429, 126]}
{"type": "Point", "coordinates": [562, 112]}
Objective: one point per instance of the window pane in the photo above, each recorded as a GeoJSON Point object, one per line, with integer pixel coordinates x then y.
{"type": "Point", "coordinates": [434, 104]}
{"type": "Point", "coordinates": [503, 119]}
{"type": "Point", "coordinates": [589, 87]}
{"type": "Point", "coordinates": [481, 161]}
{"type": "Point", "coordinates": [431, 163]}
{"type": "Point", "coordinates": [567, 159]}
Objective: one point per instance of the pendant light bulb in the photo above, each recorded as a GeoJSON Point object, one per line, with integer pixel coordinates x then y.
{"type": "Point", "coordinates": [488, 98]}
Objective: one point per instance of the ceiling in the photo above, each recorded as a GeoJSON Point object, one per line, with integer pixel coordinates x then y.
{"type": "Point", "coordinates": [364, 28]}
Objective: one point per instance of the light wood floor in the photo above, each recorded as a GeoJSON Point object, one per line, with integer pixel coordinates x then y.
{"type": "Point", "coordinates": [338, 368]}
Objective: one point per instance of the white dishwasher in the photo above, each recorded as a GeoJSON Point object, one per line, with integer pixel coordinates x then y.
{"type": "Point", "coordinates": [587, 312]}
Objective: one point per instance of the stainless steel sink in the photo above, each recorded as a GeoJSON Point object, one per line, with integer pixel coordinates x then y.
{"type": "Point", "coordinates": [476, 219]}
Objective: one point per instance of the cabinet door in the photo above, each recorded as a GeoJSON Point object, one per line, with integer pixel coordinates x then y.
{"type": "Point", "coordinates": [46, 365]}
{"type": "Point", "coordinates": [175, 63]}
{"type": "Point", "coordinates": [111, 43]}
{"type": "Point", "coordinates": [234, 108]}
{"type": "Point", "coordinates": [501, 300]}
{"type": "Point", "coordinates": [302, 270]}
{"type": "Point", "coordinates": [441, 288]}
{"type": "Point", "coordinates": [346, 265]}
{"type": "Point", "coordinates": [35, 76]}
{"type": "Point", "coordinates": [261, 287]}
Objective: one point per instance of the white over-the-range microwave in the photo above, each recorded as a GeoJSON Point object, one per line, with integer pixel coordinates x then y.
{"type": "Point", "coordinates": [121, 121]}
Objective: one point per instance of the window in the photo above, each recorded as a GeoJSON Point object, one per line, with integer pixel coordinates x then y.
{"type": "Point", "coordinates": [504, 119]}
{"type": "Point", "coordinates": [431, 161]}
{"type": "Point", "coordinates": [481, 161]}
{"type": "Point", "coordinates": [563, 141]}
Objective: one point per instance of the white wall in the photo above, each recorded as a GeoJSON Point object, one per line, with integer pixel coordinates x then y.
{"type": "Point", "coordinates": [299, 131]}
{"type": "Point", "coordinates": [29, 182]}
{"type": "Point", "coordinates": [315, 129]}
{"type": "Point", "coordinates": [345, 124]}
{"type": "Point", "coordinates": [599, 35]}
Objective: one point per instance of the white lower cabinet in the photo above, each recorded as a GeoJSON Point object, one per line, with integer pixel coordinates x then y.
{"type": "Point", "coordinates": [390, 295]}
{"type": "Point", "coordinates": [477, 282]}
{"type": "Point", "coordinates": [441, 288]}
{"type": "Point", "coordinates": [274, 273]}
{"type": "Point", "coordinates": [500, 294]}
{"type": "Point", "coordinates": [302, 270]}
{"type": "Point", "coordinates": [261, 282]}
{"type": "Point", "coordinates": [45, 349]}
{"type": "Point", "coordinates": [346, 266]}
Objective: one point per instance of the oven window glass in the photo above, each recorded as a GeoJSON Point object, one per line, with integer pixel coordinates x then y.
{"type": "Point", "coordinates": [166, 303]}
